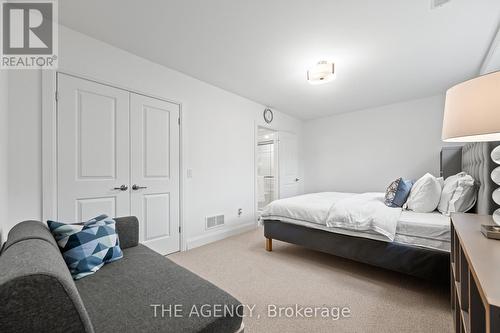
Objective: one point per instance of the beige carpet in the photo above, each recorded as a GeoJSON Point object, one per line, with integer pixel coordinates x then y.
{"type": "Point", "coordinates": [379, 300]}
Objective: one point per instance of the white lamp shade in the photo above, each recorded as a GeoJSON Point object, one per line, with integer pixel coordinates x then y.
{"type": "Point", "coordinates": [472, 110]}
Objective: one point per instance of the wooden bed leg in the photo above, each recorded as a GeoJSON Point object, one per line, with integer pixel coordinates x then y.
{"type": "Point", "coordinates": [269, 244]}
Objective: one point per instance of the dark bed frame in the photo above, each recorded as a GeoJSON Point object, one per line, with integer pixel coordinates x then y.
{"type": "Point", "coordinates": [424, 263]}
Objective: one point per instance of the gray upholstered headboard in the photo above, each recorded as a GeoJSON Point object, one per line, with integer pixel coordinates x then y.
{"type": "Point", "coordinates": [476, 161]}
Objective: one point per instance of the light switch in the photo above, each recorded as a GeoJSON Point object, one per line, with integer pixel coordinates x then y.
{"type": "Point", "coordinates": [189, 173]}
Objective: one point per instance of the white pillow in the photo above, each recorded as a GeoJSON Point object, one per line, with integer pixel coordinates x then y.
{"type": "Point", "coordinates": [459, 194]}
{"type": "Point", "coordinates": [425, 194]}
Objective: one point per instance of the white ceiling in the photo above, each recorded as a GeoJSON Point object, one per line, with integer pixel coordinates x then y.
{"type": "Point", "coordinates": [385, 51]}
{"type": "Point", "coordinates": [492, 61]}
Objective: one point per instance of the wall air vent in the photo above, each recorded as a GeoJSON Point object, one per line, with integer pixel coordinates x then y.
{"type": "Point", "coordinates": [438, 3]}
{"type": "Point", "coordinates": [214, 221]}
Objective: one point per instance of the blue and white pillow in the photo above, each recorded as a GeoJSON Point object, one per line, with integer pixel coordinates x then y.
{"type": "Point", "coordinates": [397, 192]}
{"type": "Point", "coordinates": [87, 246]}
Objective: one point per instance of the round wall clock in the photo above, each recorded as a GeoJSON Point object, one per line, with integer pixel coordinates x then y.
{"type": "Point", "coordinates": [268, 115]}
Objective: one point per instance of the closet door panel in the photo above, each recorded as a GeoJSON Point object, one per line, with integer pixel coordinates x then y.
{"type": "Point", "coordinates": [155, 171]}
{"type": "Point", "coordinates": [92, 150]}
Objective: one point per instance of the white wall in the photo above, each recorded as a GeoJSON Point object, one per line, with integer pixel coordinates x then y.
{"type": "Point", "coordinates": [218, 133]}
{"type": "Point", "coordinates": [3, 151]}
{"type": "Point", "coordinates": [365, 150]}
{"type": "Point", "coordinates": [24, 142]}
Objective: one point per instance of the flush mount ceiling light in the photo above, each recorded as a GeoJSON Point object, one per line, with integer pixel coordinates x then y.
{"type": "Point", "coordinates": [321, 73]}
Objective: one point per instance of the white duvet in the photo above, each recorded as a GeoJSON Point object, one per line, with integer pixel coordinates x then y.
{"type": "Point", "coordinates": [364, 213]}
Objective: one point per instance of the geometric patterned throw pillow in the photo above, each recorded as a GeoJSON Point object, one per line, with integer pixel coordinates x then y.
{"type": "Point", "coordinates": [397, 192]}
{"type": "Point", "coordinates": [87, 246]}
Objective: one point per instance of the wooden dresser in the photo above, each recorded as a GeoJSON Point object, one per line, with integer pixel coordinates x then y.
{"type": "Point", "coordinates": [475, 275]}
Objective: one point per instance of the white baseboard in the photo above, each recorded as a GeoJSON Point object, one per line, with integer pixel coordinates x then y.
{"type": "Point", "coordinates": [213, 236]}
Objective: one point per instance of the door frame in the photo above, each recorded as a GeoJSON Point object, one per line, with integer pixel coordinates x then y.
{"type": "Point", "coordinates": [49, 144]}
{"type": "Point", "coordinates": [277, 130]}
{"type": "Point", "coordinates": [256, 158]}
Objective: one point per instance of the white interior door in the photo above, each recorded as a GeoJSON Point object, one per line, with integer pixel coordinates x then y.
{"type": "Point", "coordinates": [118, 154]}
{"type": "Point", "coordinates": [92, 150]}
{"type": "Point", "coordinates": [155, 171]}
{"type": "Point", "coordinates": [288, 165]}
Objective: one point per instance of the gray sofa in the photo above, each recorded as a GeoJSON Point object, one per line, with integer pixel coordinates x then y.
{"type": "Point", "coordinates": [38, 294]}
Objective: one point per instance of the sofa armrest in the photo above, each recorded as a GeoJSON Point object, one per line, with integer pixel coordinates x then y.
{"type": "Point", "coordinates": [37, 291]}
{"type": "Point", "coordinates": [128, 231]}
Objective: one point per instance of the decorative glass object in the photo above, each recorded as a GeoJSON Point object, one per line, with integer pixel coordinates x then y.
{"type": "Point", "coordinates": [495, 176]}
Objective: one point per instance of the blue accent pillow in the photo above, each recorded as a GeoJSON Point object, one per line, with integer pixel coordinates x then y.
{"type": "Point", "coordinates": [87, 246]}
{"type": "Point", "coordinates": [397, 192]}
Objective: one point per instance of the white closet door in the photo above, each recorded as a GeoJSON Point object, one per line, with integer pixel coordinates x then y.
{"type": "Point", "coordinates": [288, 165]}
{"type": "Point", "coordinates": [154, 133]}
{"type": "Point", "coordinates": [92, 150]}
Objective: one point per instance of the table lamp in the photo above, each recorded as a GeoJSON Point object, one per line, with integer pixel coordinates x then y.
{"type": "Point", "coordinates": [472, 114]}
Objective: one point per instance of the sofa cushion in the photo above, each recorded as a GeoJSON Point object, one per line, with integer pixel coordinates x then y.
{"type": "Point", "coordinates": [86, 247]}
{"type": "Point", "coordinates": [128, 231]}
{"type": "Point", "coordinates": [121, 296]}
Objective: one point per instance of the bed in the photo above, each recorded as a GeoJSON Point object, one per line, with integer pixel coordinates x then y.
{"type": "Point", "coordinates": [418, 246]}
